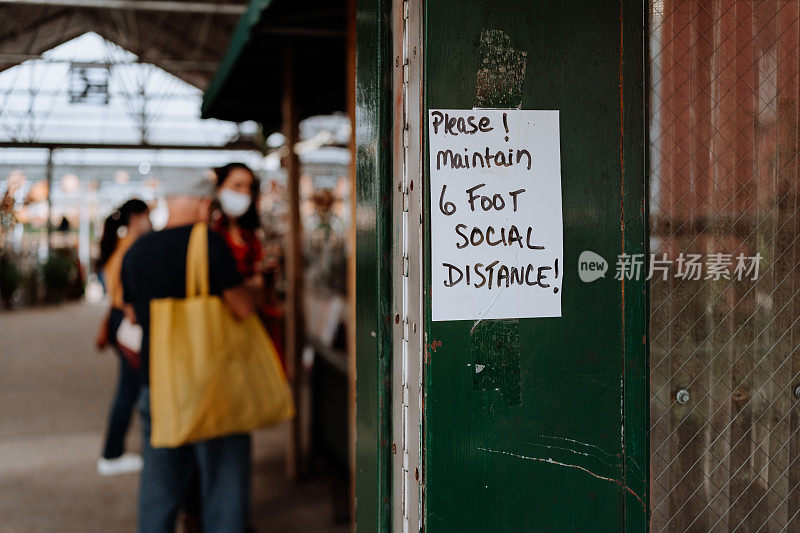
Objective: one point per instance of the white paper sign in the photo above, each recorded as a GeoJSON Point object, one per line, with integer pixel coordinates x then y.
{"type": "Point", "coordinates": [497, 231]}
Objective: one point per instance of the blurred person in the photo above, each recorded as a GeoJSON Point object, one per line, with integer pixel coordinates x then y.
{"type": "Point", "coordinates": [155, 268]}
{"type": "Point", "coordinates": [237, 190]}
{"type": "Point", "coordinates": [236, 217]}
{"type": "Point", "coordinates": [121, 229]}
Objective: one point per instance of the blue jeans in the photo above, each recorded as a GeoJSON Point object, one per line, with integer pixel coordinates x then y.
{"type": "Point", "coordinates": [223, 469]}
{"type": "Point", "coordinates": [119, 419]}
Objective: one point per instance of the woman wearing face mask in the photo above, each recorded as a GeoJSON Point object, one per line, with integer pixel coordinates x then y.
{"type": "Point", "coordinates": [120, 231]}
{"type": "Point", "coordinates": [237, 219]}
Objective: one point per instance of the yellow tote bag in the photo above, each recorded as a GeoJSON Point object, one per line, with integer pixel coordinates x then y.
{"type": "Point", "coordinates": [210, 374]}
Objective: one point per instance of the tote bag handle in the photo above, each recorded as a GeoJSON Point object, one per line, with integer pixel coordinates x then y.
{"type": "Point", "coordinates": [197, 283]}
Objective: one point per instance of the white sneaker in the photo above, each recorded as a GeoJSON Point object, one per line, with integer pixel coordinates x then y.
{"type": "Point", "coordinates": [125, 464]}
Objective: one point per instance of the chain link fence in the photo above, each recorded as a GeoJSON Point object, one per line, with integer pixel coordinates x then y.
{"type": "Point", "coordinates": [725, 423]}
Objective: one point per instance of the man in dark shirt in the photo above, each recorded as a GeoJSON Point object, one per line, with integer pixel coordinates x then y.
{"type": "Point", "coordinates": [155, 267]}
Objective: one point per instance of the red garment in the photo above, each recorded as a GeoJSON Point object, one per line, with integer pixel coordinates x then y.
{"type": "Point", "coordinates": [247, 254]}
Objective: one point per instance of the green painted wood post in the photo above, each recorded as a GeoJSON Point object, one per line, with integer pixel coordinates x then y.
{"type": "Point", "coordinates": [373, 269]}
{"type": "Point", "coordinates": [553, 433]}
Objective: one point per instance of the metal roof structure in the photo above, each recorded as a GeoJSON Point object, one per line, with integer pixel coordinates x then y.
{"type": "Point", "coordinates": [102, 97]}
{"type": "Point", "coordinates": [185, 38]}
{"type": "Point", "coordinates": [127, 86]}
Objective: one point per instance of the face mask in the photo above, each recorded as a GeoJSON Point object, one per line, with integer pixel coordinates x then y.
{"type": "Point", "coordinates": [234, 204]}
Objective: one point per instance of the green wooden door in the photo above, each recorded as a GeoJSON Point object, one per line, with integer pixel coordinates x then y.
{"type": "Point", "coordinates": [551, 434]}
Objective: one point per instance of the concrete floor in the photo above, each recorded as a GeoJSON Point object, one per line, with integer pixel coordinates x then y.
{"type": "Point", "coordinates": [55, 390]}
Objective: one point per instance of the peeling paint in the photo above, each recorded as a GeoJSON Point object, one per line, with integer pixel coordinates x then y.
{"type": "Point", "coordinates": [576, 452]}
{"type": "Point", "coordinates": [567, 465]}
{"type": "Point", "coordinates": [501, 71]}
{"type": "Point", "coordinates": [495, 349]}
{"type": "Point", "coordinates": [574, 441]}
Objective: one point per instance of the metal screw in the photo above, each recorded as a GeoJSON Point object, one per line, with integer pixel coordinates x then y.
{"type": "Point", "coordinates": [682, 396]}
{"type": "Point", "coordinates": [797, 392]}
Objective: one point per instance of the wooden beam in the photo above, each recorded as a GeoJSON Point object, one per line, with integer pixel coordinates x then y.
{"type": "Point", "coordinates": [49, 33]}
{"type": "Point", "coordinates": [174, 64]}
{"type": "Point", "coordinates": [351, 255]}
{"type": "Point", "coordinates": [294, 263]}
{"type": "Point", "coordinates": [237, 145]}
{"type": "Point", "coordinates": [140, 5]}
{"type": "Point", "coordinates": [49, 201]}
{"type": "Point", "coordinates": [301, 32]}
{"type": "Point", "coordinates": [168, 42]}
{"type": "Point", "coordinates": [26, 22]}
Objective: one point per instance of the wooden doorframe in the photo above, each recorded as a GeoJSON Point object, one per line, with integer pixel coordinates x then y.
{"type": "Point", "coordinates": [407, 266]}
